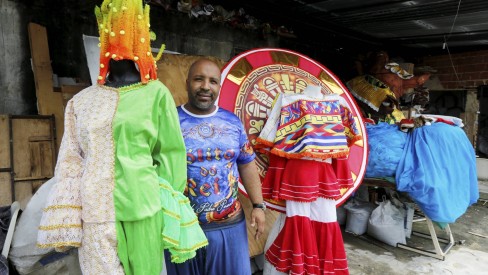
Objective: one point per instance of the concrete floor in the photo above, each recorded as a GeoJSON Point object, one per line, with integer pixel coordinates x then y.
{"type": "Point", "coordinates": [469, 255]}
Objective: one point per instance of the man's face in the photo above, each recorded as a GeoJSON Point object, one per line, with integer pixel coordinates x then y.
{"type": "Point", "coordinates": [203, 86]}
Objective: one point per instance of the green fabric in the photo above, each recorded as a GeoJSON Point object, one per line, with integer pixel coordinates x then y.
{"type": "Point", "coordinates": [141, 243]}
{"type": "Point", "coordinates": [140, 247]}
{"type": "Point", "coordinates": [148, 144]}
{"type": "Point", "coordinates": [442, 225]}
{"type": "Point", "coordinates": [150, 175]}
{"type": "Point", "coordinates": [182, 234]}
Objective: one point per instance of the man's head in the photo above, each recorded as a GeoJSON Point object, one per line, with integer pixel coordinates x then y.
{"type": "Point", "coordinates": [203, 86]}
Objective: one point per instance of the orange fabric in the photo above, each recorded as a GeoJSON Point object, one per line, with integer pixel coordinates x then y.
{"type": "Point", "coordinates": [124, 34]}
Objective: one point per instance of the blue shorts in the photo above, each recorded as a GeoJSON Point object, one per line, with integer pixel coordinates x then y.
{"type": "Point", "coordinates": [227, 253]}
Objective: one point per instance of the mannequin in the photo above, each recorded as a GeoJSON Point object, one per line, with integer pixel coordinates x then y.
{"type": "Point", "coordinates": [122, 73]}
{"type": "Point", "coordinates": [121, 168]}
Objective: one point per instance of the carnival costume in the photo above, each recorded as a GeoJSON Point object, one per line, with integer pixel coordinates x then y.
{"type": "Point", "coordinates": [438, 170]}
{"type": "Point", "coordinates": [121, 167]}
{"type": "Point", "coordinates": [308, 136]}
{"type": "Point", "coordinates": [373, 92]}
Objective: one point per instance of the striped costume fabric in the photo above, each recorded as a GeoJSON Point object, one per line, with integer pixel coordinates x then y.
{"type": "Point", "coordinates": [308, 136]}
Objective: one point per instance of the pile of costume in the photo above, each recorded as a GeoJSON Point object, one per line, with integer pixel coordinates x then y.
{"type": "Point", "coordinates": [308, 136]}
{"type": "Point", "coordinates": [378, 92]}
{"type": "Point", "coordinates": [438, 170]}
{"type": "Point", "coordinates": [372, 96]}
{"type": "Point", "coordinates": [433, 162]}
{"type": "Point", "coordinates": [121, 168]}
{"type": "Point", "coordinates": [429, 156]}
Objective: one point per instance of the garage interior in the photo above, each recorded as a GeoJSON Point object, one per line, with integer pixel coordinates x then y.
{"type": "Point", "coordinates": [447, 38]}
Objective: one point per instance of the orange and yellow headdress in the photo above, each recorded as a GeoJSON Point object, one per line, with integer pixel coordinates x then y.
{"type": "Point", "coordinates": [124, 34]}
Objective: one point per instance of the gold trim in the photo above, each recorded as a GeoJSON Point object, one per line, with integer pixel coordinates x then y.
{"type": "Point", "coordinates": [285, 58]}
{"type": "Point", "coordinates": [359, 143]}
{"type": "Point", "coordinates": [61, 206]}
{"type": "Point", "coordinates": [239, 71]}
{"type": "Point", "coordinates": [59, 244]}
{"type": "Point", "coordinates": [171, 241]}
{"type": "Point", "coordinates": [189, 223]}
{"type": "Point", "coordinates": [164, 186]}
{"type": "Point", "coordinates": [171, 214]}
{"type": "Point", "coordinates": [127, 88]}
{"type": "Point", "coordinates": [330, 83]}
{"type": "Point", "coordinates": [354, 176]}
{"type": "Point", "coordinates": [58, 226]}
{"type": "Point", "coordinates": [184, 201]}
{"type": "Point", "coordinates": [193, 248]}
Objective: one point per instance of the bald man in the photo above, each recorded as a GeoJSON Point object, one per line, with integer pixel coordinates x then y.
{"type": "Point", "coordinates": [219, 155]}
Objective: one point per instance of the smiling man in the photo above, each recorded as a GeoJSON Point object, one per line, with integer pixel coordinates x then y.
{"type": "Point", "coordinates": [203, 86]}
{"type": "Point", "coordinates": [218, 157]}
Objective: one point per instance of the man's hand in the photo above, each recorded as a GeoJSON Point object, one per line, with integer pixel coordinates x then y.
{"type": "Point", "coordinates": [250, 179]}
{"type": "Point", "coordinates": [257, 220]}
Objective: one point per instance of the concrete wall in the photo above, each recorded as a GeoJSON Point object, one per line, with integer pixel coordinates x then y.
{"type": "Point", "coordinates": [17, 91]}
{"type": "Point", "coordinates": [200, 36]}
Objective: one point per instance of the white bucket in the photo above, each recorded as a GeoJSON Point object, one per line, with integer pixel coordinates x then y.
{"type": "Point", "coordinates": [482, 168]}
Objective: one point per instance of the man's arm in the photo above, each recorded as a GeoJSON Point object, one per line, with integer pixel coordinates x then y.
{"type": "Point", "coordinates": [250, 179]}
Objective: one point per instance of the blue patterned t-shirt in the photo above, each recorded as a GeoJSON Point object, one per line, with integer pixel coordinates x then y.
{"type": "Point", "coordinates": [215, 145]}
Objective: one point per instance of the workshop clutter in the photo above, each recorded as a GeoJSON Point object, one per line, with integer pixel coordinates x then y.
{"type": "Point", "coordinates": [388, 220]}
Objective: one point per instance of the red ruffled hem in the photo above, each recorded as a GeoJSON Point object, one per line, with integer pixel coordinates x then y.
{"type": "Point", "coordinates": [308, 247]}
{"type": "Point", "coordinates": [294, 250]}
{"type": "Point", "coordinates": [343, 172]}
{"type": "Point", "coordinates": [331, 252]}
{"type": "Point", "coordinates": [305, 180]}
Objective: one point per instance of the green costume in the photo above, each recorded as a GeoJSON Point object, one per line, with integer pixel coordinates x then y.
{"type": "Point", "coordinates": [122, 163]}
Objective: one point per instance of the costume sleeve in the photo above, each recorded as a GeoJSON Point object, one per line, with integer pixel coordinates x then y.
{"type": "Point", "coordinates": [350, 126]}
{"type": "Point", "coordinates": [61, 221]}
{"type": "Point", "coordinates": [268, 133]}
{"type": "Point", "coordinates": [182, 235]}
{"type": "Point", "coordinates": [170, 152]}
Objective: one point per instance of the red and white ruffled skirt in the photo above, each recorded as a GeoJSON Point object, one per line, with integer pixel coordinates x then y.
{"type": "Point", "coordinates": [305, 180]}
{"type": "Point", "coordinates": [310, 241]}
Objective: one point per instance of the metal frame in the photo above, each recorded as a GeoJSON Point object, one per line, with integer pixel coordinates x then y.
{"type": "Point", "coordinates": [439, 252]}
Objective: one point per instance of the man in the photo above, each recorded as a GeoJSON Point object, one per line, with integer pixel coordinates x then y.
{"type": "Point", "coordinates": [218, 156]}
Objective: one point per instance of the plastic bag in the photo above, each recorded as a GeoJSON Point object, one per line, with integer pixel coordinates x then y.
{"type": "Point", "coordinates": [408, 208]}
{"type": "Point", "coordinates": [386, 143]}
{"type": "Point", "coordinates": [341, 215]}
{"type": "Point", "coordinates": [358, 213]}
{"type": "Point", "coordinates": [386, 224]}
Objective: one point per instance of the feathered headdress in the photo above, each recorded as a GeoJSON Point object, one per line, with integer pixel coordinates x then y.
{"type": "Point", "coordinates": [124, 34]}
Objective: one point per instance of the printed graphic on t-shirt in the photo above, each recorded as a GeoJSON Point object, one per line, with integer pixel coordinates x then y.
{"type": "Point", "coordinates": [214, 146]}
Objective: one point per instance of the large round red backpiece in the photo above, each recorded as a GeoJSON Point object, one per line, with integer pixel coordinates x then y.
{"type": "Point", "coordinates": [252, 80]}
